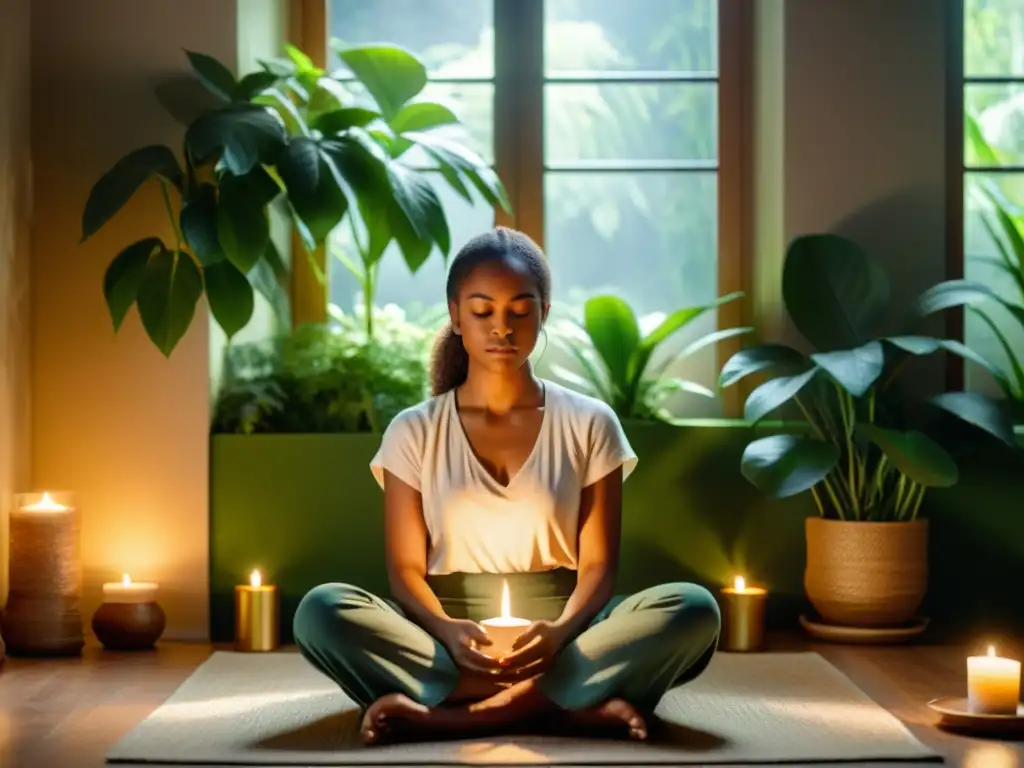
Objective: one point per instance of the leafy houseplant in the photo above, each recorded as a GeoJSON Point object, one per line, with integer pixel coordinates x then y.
{"type": "Point", "coordinates": [286, 137]}
{"type": "Point", "coordinates": [616, 357]}
{"type": "Point", "coordinates": [1004, 222]}
{"type": "Point", "coordinates": [325, 377]}
{"type": "Point", "coordinates": [860, 450]}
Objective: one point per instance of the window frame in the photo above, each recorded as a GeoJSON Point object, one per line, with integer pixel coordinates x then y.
{"type": "Point", "coordinates": [519, 80]}
{"type": "Point", "coordinates": [958, 82]}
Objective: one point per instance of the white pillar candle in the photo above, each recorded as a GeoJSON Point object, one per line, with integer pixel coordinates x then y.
{"type": "Point", "coordinates": [128, 591]}
{"type": "Point", "coordinates": [504, 629]}
{"type": "Point", "coordinates": [993, 684]}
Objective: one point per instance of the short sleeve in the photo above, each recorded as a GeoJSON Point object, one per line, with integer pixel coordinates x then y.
{"type": "Point", "coordinates": [401, 450]}
{"type": "Point", "coordinates": [608, 447]}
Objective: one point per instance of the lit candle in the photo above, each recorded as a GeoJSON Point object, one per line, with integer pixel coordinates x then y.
{"type": "Point", "coordinates": [128, 591]}
{"type": "Point", "coordinates": [256, 612]}
{"type": "Point", "coordinates": [129, 619]}
{"type": "Point", "coordinates": [993, 684]}
{"type": "Point", "coordinates": [504, 629]}
{"type": "Point", "coordinates": [742, 617]}
{"type": "Point", "coordinates": [43, 614]}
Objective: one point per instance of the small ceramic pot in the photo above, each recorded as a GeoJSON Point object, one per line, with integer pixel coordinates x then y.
{"type": "Point", "coordinates": [129, 626]}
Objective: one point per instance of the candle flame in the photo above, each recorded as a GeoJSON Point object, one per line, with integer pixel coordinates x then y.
{"type": "Point", "coordinates": [126, 579]}
{"type": "Point", "coordinates": [46, 504]}
{"type": "Point", "coordinates": [506, 602]}
{"type": "Point", "coordinates": [255, 579]}
{"type": "Point", "coordinates": [740, 584]}
{"type": "Point", "coordinates": [991, 650]}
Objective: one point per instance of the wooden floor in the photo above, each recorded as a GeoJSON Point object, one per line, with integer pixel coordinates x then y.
{"type": "Point", "coordinates": [66, 713]}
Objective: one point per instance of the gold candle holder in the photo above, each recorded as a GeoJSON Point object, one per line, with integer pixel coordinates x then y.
{"type": "Point", "coordinates": [256, 612]}
{"type": "Point", "coordinates": [742, 617]}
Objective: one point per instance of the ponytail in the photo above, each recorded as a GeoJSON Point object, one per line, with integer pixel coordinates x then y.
{"type": "Point", "coordinates": [449, 363]}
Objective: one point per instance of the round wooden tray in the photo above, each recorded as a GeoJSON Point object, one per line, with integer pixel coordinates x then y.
{"type": "Point", "coordinates": [955, 716]}
{"type": "Point", "coordinates": [863, 635]}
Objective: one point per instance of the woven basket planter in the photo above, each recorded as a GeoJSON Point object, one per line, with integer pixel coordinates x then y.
{"type": "Point", "coordinates": [43, 615]}
{"type": "Point", "coordinates": [864, 574]}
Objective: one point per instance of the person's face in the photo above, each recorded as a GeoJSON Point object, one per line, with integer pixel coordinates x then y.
{"type": "Point", "coordinates": [499, 314]}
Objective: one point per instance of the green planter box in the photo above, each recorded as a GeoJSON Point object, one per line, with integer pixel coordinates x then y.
{"type": "Point", "coordinates": [305, 510]}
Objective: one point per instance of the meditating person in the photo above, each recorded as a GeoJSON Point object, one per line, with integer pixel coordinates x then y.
{"type": "Point", "coordinates": [501, 477]}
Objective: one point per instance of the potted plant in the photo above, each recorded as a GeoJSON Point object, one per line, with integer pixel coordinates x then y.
{"type": "Point", "coordinates": [862, 448]}
{"type": "Point", "coordinates": [616, 357]}
{"type": "Point", "coordinates": [286, 140]}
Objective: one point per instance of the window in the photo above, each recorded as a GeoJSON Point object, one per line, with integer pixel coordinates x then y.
{"type": "Point", "coordinates": [993, 102]}
{"type": "Point", "coordinates": [616, 129]}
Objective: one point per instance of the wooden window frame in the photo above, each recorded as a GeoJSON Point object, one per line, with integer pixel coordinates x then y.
{"type": "Point", "coordinates": [519, 80]}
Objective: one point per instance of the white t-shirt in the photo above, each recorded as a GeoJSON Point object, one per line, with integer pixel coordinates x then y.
{"type": "Point", "coordinates": [477, 525]}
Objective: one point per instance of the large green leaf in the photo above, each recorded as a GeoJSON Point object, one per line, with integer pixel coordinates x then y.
{"type": "Point", "coordinates": [392, 75]}
{"type": "Point", "coordinates": [286, 109]}
{"type": "Point", "coordinates": [242, 225]}
{"type": "Point", "coordinates": [340, 120]}
{"type": "Point", "coordinates": [774, 393]}
{"type": "Point", "coordinates": [785, 465]}
{"type": "Point", "coordinates": [115, 187]}
{"type": "Point", "coordinates": [253, 84]}
{"type": "Point", "coordinates": [464, 161]}
{"type": "Point", "coordinates": [245, 134]}
{"type": "Point", "coordinates": [124, 276]}
{"type": "Point", "coordinates": [421, 208]}
{"type": "Point", "coordinates": [214, 76]}
{"type": "Point", "coordinates": [856, 370]}
{"type": "Point", "coordinates": [199, 225]}
{"type": "Point", "coordinates": [927, 345]}
{"type": "Point", "coordinates": [1013, 390]}
{"type": "Point", "coordinates": [170, 289]}
{"type": "Point", "coordinates": [613, 330]}
{"type": "Point", "coordinates": [760, 358]}
{"type": "Point", "coordinates": [313, 187]}
{"type": "Point", "coordinates": [914, 454]}
{"type": "Point", "coordinates": [955, 293]}
{"type": "Point", "coordinates": [983, 412]}
{"type": "Point", "coordinates": [834, 292]}
{"type": "Point", "coordinates": [230, 296]}
{"type": "Point", "coordinates": [421, 116]}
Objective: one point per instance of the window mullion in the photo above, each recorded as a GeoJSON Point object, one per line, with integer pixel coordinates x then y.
{"type": "Point", "coordinates": [519, 111]}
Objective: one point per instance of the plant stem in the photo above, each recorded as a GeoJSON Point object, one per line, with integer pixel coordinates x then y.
{"type": "Point", "coordinates": [817, 501]}
{"type": "Point", "coordinates": [835, 499]}
{"type": "Point", "coordinates": [845, 404]}
{"type": "Point", "coordinates": [807, 415]}
{"type": "Point", "coordinates": [917, 503]}
{"type": "Point", "coordinates": [170, 214]}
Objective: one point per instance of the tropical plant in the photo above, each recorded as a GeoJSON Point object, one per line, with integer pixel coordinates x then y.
{"type": "Point", "coordinates": [615, 356]}
{"type": "Point", "coordinates": [286, 137]}
{"type": "Point", "coordinates": [861, 450]}
{"type": "Point", "coordinates": [325, 377]}
{"type": "Point", "coordinates": [1004, 222]}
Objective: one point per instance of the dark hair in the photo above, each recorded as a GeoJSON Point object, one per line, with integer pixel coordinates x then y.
{"type": "Point", "coordinates": [449, 364]}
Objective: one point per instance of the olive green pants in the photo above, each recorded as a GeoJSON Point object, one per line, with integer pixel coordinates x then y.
{"type": "Point", "coordinates": [636, 648]}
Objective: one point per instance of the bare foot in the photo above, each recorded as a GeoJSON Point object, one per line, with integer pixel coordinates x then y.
{"type": "Point", "coordinates": [610, 719]}
{"type": "Point", "coordinates": [389, 715]}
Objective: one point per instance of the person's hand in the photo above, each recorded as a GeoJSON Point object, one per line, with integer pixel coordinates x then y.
{"type": "Point", "coordinates": [461, 637]}
{"type": "Point", "coordinates": [533, 650]}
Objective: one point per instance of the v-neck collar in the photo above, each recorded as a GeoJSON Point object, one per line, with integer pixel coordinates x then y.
{"type": "Point", "coordinates": [478, 465]}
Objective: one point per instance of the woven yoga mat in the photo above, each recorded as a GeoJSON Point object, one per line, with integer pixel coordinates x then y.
{"type": "Point", "coordinates": [275, 709]}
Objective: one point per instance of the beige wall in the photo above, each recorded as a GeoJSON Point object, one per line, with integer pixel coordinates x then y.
{"type": "Point", "coordinates": [852, 135]}
{"type": "Point", "coordinates": [113, 420]}
{"type": "Point", "coordinates": [15, 199]}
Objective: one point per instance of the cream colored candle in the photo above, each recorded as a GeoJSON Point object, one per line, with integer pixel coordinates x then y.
{"type": "Point", "coordinates": [993, 684]}
{"type": "Point", "coordinates": [504, 629]}
{"type": "Point", "coordinates": [128, 591]}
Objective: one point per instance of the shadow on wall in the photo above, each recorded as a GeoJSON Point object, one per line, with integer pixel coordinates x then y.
{"type": "Point", "coordinates": [906, 232]}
